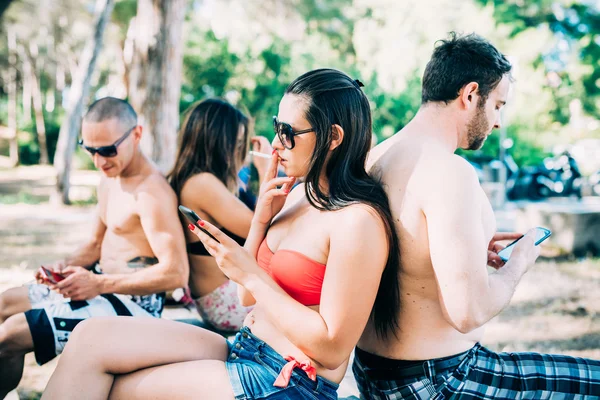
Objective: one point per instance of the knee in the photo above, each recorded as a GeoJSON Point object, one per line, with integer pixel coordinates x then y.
{"type": "Point", "coordinates": [4, 305]}
{"type": "Point", "coordinates": [86, 339]}
{"type": "Point", "coordinates": [83, 333]}
{"type": "Point", "coordinates": [87, 330]}
{"type": "Point", "coordinates": [88, 346]}
{"type": "Point", "coordinates": [12, 302]}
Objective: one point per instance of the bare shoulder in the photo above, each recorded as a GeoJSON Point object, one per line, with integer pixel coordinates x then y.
{"type": "Point", "coordinates": [155, 186]}
{"type": "Point", "coordinates": [200, 191]}
{"type": "Point", "coordinates": [379, 155]}
{"type": "Point", "coordinates": [450, 180]}
{"type": "Point", "coordinates": [103, 187]}
{"type": "Point", "coordinates": [202, 179]}
{"type": "Point", "coordinates": [378, 151]}
{"type": "Point", "coordinates": [104, 181]}
{"type": "Point", "coordinates": [360, 221]}
{"type": "Point", "coordinates": [437, 166]}
{"type": "Point", "coordinates": [201, 185]}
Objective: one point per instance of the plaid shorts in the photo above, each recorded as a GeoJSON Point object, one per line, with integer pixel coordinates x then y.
{"type": "Point", "coordinates": [478, 374]}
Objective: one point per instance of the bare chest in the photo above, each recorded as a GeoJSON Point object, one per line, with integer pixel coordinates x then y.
{"type": "Point", "coordinates": [304, 231]}
{"type": "Point", "coordinates": [120, 213]}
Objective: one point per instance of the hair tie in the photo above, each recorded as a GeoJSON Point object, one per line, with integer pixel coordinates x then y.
{"type": "Point", "coordinates": [359, 83]}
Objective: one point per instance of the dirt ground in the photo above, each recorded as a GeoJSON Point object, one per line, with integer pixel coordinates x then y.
{"type": "Point", "coordinates": [556, 308]}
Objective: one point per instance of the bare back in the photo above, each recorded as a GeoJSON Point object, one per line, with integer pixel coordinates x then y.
{"type": "Point", "coordinates": [406, 163]}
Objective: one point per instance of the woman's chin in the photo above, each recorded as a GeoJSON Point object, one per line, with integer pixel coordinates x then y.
{"type": "Point", "coordinates": [290, 172]}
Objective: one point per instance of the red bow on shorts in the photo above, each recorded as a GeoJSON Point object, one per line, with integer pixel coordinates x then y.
{"type": "Point", "coordinates": [283, 379]}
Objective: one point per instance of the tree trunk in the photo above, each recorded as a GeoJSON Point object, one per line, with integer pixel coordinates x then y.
{"type": "Point", "coordinates": [27, 85]}
{"type": "Point", "coordinates": [78, 93]}
{"type": "Point", "coordinates": [31, 80]}
{"type": "Point", "coordinates": [155, 75]}
{"type": "Point", "coordinates": [12, 98]}
{"type": "Point", "coordinates": [40, 126]}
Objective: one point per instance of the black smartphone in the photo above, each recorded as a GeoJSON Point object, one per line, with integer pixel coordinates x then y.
{"type": "Point", "coordinates": [194, 218]}
{"type": "Point", "coordinates": [541, 234]}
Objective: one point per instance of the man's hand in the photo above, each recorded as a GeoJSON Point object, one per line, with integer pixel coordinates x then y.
{"type": "Point", "coordinates": [79, 284]}
{"type": "Point", "coordinates": [526, 252]}
{"type": "Point", "coordinates": [57, 267]}
{"type": "Point", "coordinates": [493, 259]}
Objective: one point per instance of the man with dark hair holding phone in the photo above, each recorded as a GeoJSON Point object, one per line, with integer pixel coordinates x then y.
{"type": "Point", "coordinates": [447, 232]}
{"type": "Point", "coordinates": [136, 250]}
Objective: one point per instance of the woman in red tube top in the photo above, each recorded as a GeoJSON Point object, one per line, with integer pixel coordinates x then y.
{"type": "Point", "coordinates": [315, 266]}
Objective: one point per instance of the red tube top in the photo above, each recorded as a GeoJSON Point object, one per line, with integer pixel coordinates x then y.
{"type": "Point", "coordinates": [300, 276]}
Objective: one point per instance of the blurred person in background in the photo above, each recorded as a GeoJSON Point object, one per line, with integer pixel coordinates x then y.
{"type": "Point", "coordinates": [213, 144]}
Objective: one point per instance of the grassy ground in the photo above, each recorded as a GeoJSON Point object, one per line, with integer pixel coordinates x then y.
{"type": "Point", "coordinates": [556, 308]}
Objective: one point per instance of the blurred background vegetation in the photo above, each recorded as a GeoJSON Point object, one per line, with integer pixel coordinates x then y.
{"type": "Point", "coordinates": [247, 51]}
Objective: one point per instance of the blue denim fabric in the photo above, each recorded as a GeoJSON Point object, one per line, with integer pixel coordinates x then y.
{"type": "Point", "coordinates": [253, 366]}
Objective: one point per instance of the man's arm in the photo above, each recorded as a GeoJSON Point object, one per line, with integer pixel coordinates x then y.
{"type": "Point", "coordinates": [157, 205]}
{"type": "Point", "coordinates": [453, 207]}
{"type": "Point", "coordinates": [86, 255]}
{"type": "Point", "coordinates": [89, 253]}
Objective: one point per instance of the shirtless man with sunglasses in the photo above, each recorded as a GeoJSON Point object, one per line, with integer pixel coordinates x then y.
{"type": "Point", "coordinates": [135, 250]}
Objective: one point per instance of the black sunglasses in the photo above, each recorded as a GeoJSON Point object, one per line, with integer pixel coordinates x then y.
{"type": "Point", "coordinates": [286, 134]}
{"type": "Point", "coordinates": [106, 151]}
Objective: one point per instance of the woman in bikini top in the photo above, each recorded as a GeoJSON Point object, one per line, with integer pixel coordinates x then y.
{"type": "Point", "coordinates": [213, 145]}
{"type": "Point", "coordinates": [315, 266]}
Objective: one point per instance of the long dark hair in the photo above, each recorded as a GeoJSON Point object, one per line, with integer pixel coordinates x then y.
{"type": "Point", "coordinates": [208, 142]}
{"type": "Point", "coordinates": [333, 97]}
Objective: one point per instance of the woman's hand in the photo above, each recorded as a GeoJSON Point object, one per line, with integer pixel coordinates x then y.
{"type": "Point", "coordinates": [232, 259]}
{"type": "Point", "coordinates": [271, 199]}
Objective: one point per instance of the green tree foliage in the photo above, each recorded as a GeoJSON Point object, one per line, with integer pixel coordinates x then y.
{"type": "Point", "coordinates": [572, 59]}
{"type": "Point", "coordinates": [248, 51]}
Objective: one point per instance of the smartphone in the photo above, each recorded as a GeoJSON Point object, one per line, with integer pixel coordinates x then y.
{"type": "Point", "coordinates": [194, 218]}
{"type": "Point", "coordinates": [51, 276]}
{"type": "Point", "coordinates": [541, 234]}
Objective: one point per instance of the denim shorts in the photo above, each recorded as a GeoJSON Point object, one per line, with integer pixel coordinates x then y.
{"type": "Point", "coordinates": [253, 366]}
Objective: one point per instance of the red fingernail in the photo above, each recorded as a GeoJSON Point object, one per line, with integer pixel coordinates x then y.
{"type": "Point", "coordinates": [191, 227]}
{"type": "Point", "coordinates": [286, 191]}
{"type": "Point", "coordinates": [201, 223]}
{"type": "Point", "coordinates": [274, 151]}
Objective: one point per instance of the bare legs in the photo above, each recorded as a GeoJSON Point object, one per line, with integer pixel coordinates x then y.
{"type": "Point", "coordinates": [206, 379]}
{"type": "Point", "coordinates": [100, 348]}
{"type": "Point", "coordinates": [15, 338]}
